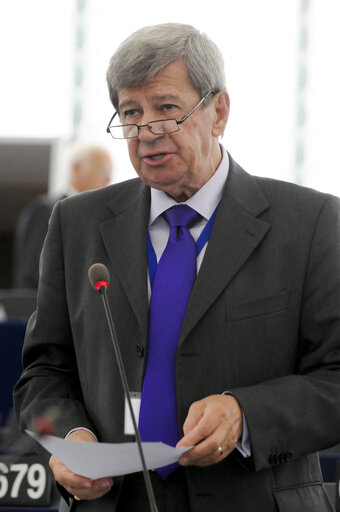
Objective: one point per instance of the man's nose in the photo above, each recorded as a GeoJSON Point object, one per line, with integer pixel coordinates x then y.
{"type": "Point", "coordinates": [145, 134]}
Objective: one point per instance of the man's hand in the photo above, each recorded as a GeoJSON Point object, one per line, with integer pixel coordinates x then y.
{"type": "Point", "coordinates": [81, 487]}
{"type": "Point", "coordinates": [212, 424]}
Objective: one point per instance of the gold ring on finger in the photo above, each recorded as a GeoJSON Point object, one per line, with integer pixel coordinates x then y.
{"type": "Point", "coordinates": [76, 498]}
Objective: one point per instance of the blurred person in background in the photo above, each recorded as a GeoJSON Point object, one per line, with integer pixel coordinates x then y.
{"type": "Point", "coordinates": [90, 168]}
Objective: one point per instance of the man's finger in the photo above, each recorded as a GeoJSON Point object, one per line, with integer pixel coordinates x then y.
{"type": "Point", "coordinates": [199, 425]}
{"type": "Point", "coordinates": [65, 477]}
{"type": "Point", "coordinates": [213, 449]}
{"type": "Point", "coordinates": [194, 415]}
{"type": "Point", "coordinates": [99, 487]}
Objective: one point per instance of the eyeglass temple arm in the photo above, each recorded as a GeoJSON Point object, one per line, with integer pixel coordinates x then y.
{"type": "Point", "coordinates": [195, 108]}
{"type": "Point", "coordinates": [112, 118]}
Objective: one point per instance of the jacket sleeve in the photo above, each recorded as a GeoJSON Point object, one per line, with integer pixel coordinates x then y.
{"type": "Point", "coordinates": [49, 384]}
{"type": "Point", "coordinates": [296, 414]}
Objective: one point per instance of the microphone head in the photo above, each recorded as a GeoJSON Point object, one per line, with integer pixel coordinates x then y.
{"type": "Point", "coordinates": [99, 276]}
{"type": "Point", "coordinates": [45, 425]}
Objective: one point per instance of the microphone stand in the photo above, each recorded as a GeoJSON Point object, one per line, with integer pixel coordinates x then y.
{"type": "Point", "coordinates": [152, 501]}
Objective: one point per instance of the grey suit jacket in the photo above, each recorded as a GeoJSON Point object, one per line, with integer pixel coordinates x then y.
{"type": "Point", "coordinates": [263, 322]}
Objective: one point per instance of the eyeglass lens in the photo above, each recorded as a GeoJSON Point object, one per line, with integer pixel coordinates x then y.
{"type": "Point", "coordinates": [131, 130]}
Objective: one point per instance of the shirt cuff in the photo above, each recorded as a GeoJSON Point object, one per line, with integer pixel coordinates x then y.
{"type": "Point", "coordinates": [82, 428]}
{"type": "Point", "coordinates": [243, 444]}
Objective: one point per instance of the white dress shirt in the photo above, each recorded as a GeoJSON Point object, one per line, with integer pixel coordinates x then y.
{"type": "Point", "coordinates": [204, 201]}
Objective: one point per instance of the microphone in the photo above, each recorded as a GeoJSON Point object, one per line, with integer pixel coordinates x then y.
{"type": "Point", "coordinates": [99, 278]}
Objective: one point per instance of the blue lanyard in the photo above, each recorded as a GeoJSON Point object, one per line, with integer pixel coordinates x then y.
{"type": "Point", "coordinates": [200, 243]}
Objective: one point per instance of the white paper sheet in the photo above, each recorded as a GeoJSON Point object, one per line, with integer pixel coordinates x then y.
{"type": "Point", "coordinates": [97, 460]}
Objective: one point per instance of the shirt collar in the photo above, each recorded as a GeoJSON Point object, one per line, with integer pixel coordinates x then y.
{"type": "Point", "coordinates": [204, 201]}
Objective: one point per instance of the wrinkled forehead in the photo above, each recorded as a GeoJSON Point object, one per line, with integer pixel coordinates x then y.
{"type": "Point", "coordinates": [171, 83]}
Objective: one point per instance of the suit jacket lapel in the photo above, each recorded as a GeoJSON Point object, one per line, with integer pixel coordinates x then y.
{"type": "Point", "coordinates": [125, 238]}
{"type": "Point", "coordinates": [236, 233]}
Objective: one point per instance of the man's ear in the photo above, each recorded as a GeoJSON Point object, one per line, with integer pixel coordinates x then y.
{"type": "Point", "coordinates": [222, 106]}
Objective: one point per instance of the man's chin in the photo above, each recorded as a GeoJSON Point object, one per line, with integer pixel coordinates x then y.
{"type": "Point", "coordinates": [159, 178]}
{"type": "Point", "coordinates": [175, 190]}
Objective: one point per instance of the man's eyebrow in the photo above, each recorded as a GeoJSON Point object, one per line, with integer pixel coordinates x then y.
{"type": "Point", "coordinates": [156, 98]}
{"type": "Point", "coordinates": [166, 97]}
{"type": "Point", "coordinates": [128, 103]}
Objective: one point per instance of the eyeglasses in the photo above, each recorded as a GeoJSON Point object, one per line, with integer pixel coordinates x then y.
{"type": "Point", "coordinates": [159, 127]}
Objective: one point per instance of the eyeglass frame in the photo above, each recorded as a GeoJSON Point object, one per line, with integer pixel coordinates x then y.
{"type": "Point", "coordinates": [139, 126]}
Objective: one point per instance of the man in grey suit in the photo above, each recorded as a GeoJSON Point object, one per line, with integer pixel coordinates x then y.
{"type": "Point", "coordinates": [257, 370]}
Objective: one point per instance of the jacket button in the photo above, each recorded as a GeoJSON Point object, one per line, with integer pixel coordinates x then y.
{"type": "Point", "coordinates": [273, 459]}
{"type": "Point", "coordinates": [281, 458]}
{"type": "Point", "coordinates": [288, 456]}
{"type": "Point", "coordinates": [140, 350]}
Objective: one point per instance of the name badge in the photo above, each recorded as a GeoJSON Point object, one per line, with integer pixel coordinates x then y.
{"type": "Point", "coordinates": [128, 423]}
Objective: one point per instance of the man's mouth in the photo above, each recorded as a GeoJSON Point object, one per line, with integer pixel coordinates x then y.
{"type": "Point", "coordinates": [159, 156]}
{"type": "Point", "coordinates": [157, 159]}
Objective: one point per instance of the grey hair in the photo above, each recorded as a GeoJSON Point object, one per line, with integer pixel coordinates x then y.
{"type": "Point", "coordinates": [150, 49]}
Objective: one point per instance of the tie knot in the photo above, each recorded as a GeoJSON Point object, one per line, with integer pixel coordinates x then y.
{"type": "Point", "coordinates": [181, 215]}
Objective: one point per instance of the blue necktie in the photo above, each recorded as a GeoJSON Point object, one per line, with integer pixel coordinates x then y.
{"type": "Point", "coordinates": [171, 290]}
